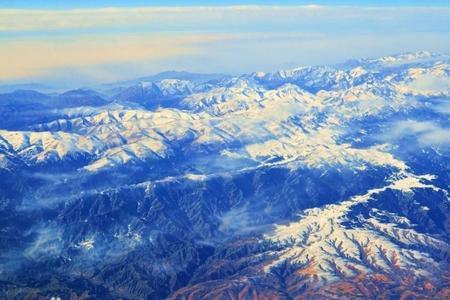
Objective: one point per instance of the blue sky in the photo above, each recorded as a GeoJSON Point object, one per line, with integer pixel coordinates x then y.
{"type": "Point", "coordinates": [90, 42]}
{"type": "Point", "coordinates": [61, 4]}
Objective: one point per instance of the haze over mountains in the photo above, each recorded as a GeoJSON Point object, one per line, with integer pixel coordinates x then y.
{"type": "Point", "coordinates": [316, 182]}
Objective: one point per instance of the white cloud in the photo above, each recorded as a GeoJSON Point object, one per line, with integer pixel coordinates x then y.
{"type": "Point", "coordinates": [428, 133]}
{"type": "Point", "coordinates": [22, 20]}
{"type": "Point", "coordinates": [27, 58]}
{"type": "Point", "coordinates": [200, 17]}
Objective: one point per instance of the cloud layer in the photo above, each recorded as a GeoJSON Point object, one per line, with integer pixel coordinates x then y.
{"type": "Point", "coordinates": [428, 133]}
{"type": "Point", "coordinates": [114, 43]}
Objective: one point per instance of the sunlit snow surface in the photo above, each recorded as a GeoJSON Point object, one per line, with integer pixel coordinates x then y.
{"type": "Point", "coordinates": [320, 237]}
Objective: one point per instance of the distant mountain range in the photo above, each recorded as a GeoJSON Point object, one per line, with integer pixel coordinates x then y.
{"type": "Point", "coordinates": [319, 182]}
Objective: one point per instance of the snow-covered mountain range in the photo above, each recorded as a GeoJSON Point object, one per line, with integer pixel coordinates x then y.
{"type": "Point", "coordinates": [311, 182]}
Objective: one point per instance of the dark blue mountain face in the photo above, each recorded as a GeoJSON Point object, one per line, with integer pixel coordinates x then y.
{"type": "Point", "coordinates": [315, 183]}
{"type": "Point", "coordinates": [23, 108]}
